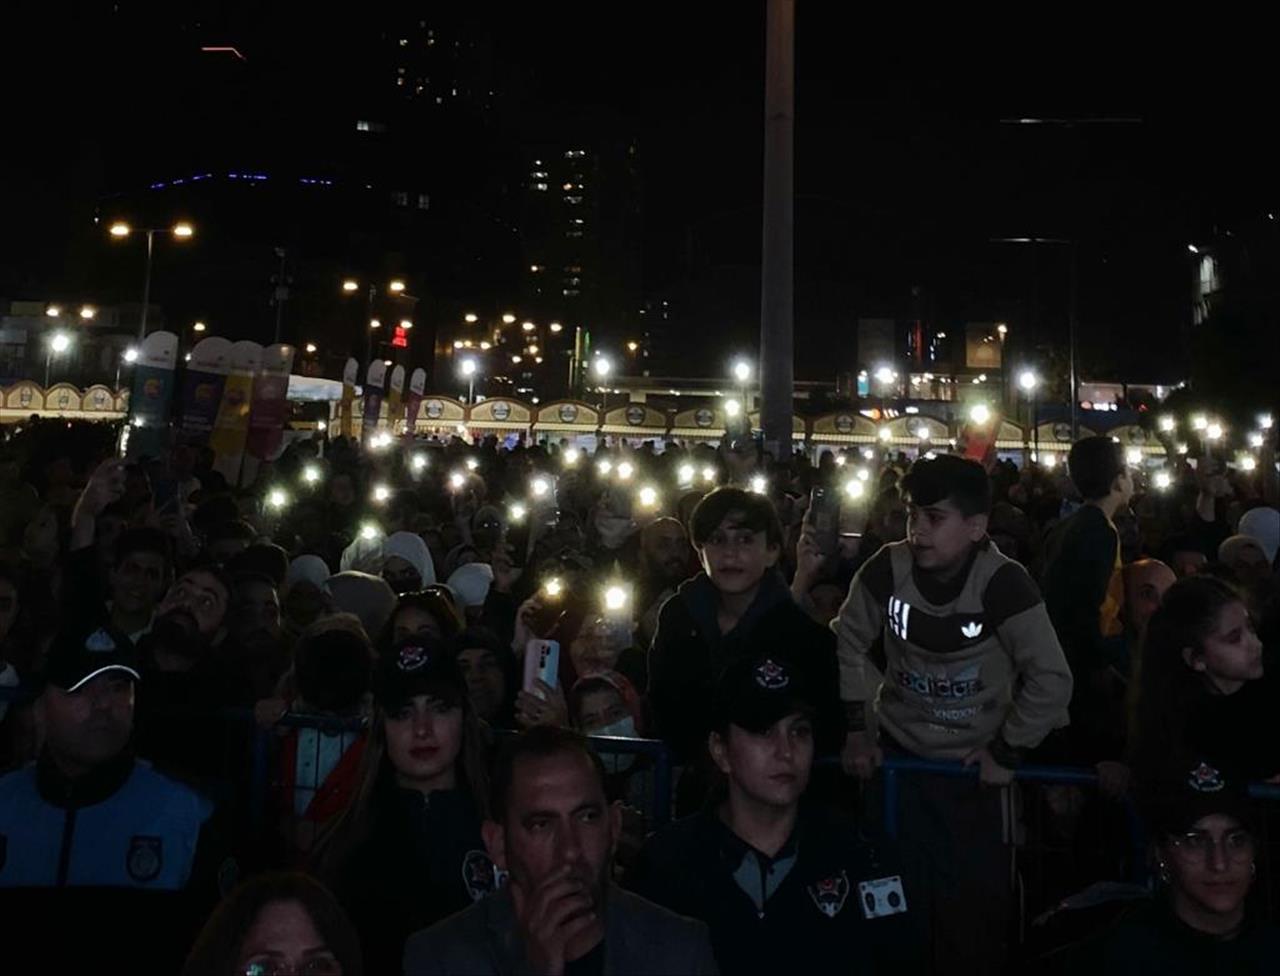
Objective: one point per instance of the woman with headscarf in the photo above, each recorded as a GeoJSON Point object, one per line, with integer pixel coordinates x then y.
{"type": "Point", "coordinates": [407, 565]}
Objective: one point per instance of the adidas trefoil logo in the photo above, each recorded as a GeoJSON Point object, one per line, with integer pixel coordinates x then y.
{"type": "Point", "coordinates": [971, 630]}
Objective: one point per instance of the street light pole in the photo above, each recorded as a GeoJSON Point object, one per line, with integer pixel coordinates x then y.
{"type": "Point", "coordinates": [777, 340]}
{"type": "Point", "coordinates": [146, 285]}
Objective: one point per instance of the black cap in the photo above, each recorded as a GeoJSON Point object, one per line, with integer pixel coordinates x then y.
{"type": "Point", "coordinates": [418, 666]}
{"type": "Point", "coordinates": [80, 654]}
{"type": "Point", "coordinates": [1174, 805]}
{"type": "Point", "coordinates": [758, 690]}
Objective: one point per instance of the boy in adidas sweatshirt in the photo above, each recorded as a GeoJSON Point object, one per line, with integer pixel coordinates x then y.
{"type": "Point", "coordinates": [972, 669]}
{"type": "Point", "coordinates": [946, 652]}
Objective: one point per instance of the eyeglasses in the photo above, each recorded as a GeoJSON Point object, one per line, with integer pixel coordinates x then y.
{"type": "Point", "coordinates": [325, 965]}
{"type": "Point", "coordinates": [1236, 846]}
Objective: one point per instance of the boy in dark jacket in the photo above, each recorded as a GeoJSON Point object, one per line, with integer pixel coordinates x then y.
{"type": "Point", "coordinates": [782, 885]}
{"type": "Point", "coordinates": [739, 602]}
{"type": "Point", "coordinates": [1083, 590]}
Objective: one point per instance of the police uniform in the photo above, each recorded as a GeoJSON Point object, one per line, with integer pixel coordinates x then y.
{"type": "Point", "coordinates": [124, 825]}
{"type": "Point", "coordinates": [829, 898]}
{"type": "Point", "coordinates": [118, 843]}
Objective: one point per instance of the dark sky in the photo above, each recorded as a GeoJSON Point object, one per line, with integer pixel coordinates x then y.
{"type": "Point", "coordinates": [904, 170]}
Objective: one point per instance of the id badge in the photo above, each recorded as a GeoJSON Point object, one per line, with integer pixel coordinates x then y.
{"type": "Point", "coordinates": [882, 897]}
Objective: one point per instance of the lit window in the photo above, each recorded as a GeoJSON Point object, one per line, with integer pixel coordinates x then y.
{"type": "Point", "coordinates": [574, 154]}
{"type": "Point", "coordinates": [400, 82]}
{"type": "Point", "coordinates": [538, 175]}
{"type": "Point", "coordinates": [572, 200]}
{"type": "Point", "coordinates": [401, 198]}
{"type": "Point", "coordinates": [404, 42]}
{"type": "Point", "coordinates": [424, 201]}
{"type": "Point", "coordinates": [577, 220]}
{"type": "Point", "coordinates": [400, 71]}
{"type": "Point", "coordinates": [570, 292]}
{"type": "Point", "coordinates": [362, 126]}
{"type": "Point", "coordinates": [573, 233]}
{"type": "Point", "coordinates": [567, 186]}
{"type": "Point", "coordinates": [540, 186]}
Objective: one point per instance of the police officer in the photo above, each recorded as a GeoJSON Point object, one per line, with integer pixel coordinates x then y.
{"type": "Point", "coordinates": [88, 817]}
{"type": "Point", "coordinates": [783, 887]}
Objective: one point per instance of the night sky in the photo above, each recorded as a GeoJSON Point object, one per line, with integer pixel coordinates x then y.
{"type": "Point", "coordinates": [905, 171]}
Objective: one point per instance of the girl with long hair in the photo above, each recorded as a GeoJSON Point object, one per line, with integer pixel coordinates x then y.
{"type": "Point", "coordinates": [408, 850]}
{"type": "Point", "coordinates": [1203, 691]}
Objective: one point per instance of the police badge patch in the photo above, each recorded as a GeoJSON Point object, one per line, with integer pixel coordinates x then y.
{"type": "Point", "coordinates": [478, 875]}
{"type": "Point", "coordinates": [829, 894]}
{"type": "Point", "coordinates": [145, 858]}
{"type": "Point", "coordinates": [772, 676]}
{"type": "Point", "coordinates": [1205, 779]}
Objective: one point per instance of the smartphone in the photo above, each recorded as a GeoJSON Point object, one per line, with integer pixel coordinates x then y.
{"type": "Point", "coordinates": [824, 519]}
{"type": "Point", "coordinates": [541, 663]}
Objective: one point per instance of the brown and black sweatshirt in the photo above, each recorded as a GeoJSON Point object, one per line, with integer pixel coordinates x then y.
{"type": "Point", "coordinates": [951, 667]}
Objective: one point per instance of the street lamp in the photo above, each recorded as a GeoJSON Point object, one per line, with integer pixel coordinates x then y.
{"type": "Point", "coordinates": [181, 231]}
{"type": "Point", "coordinates": [88, 312]}
{"type": "Point", "coordinates": [198, 327]}
{"type": "Point", "coordinates": [980, 413]}
{"type": "Point", "coordinates": [396, 287]}
{"type": "Point", "coordinates": [59, 343]}
{"type": "Point", "coordinates": [468, 369]}
{"type": "Point", "coordinates": [1030, 382]}
{"type": "Point", "coordinates": [471, 318]}
{"type": "Point", "coordinates": [508, 319]}
{"type": "Point", "coordinates": [53, 311]}
{"type": "Point", "coordinates": [311, 347]}
{"type": "Point", "coordinates": [130, 356]}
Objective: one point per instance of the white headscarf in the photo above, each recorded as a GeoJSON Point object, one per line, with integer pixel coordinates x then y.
{"type": "Point", "coordinates": [471, 583]}
{"type": "Point", "coordinates": [306, 569]}
{"type": "Point", "coordinates": [410, 547]}
{"type": "Point", "coordinates": [1263, 526]}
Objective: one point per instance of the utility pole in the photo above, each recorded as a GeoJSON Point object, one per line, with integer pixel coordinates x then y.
{"type": "Point", "coordinates": [777, 324]}
{"type": "Point", "coordinates": [281, 293]}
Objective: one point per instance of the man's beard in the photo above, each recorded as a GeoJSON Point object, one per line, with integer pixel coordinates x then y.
{"type": "Point", "coordinates": [178, 633]}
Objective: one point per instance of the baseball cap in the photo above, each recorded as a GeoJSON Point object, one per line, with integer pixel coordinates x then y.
{"type": "Point", "coordinates": [756, 691]}
{"type": "Point", "coordinates": [1175, 804]}
{"type": "Point", "coordinates": [80, 654]}
{"type": "Point", "coordinates": [418, 666]}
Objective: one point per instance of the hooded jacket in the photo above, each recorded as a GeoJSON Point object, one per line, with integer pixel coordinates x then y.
{"type": "Point", "coordinates": [689, 653]}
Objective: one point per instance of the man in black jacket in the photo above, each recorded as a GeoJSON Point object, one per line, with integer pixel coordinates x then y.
{"type": "Point", "coordinates": [740, 603]}
{"type": "Point", "coordinates": [781, 886]}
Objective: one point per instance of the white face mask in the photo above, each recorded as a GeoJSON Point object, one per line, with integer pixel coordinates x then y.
{"type": "Point", "coordinates": [624, 728]}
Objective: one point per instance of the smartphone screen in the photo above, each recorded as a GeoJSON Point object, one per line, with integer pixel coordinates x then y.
{"type": "Point", "coordinates": [541, 663]}
{"type": "Point", "coordinates": [824, 508]}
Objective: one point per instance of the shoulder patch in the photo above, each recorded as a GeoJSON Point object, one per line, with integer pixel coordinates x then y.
{"type": "Point", "coordinates": [480, 876]}
{"type": "Point", "coordinates": [145, 858]}
{"type": "Point", "coordinates": [829, 894]}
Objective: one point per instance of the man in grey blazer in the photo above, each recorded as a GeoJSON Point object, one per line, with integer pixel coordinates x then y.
{"type": "Point", "coordinates": [554, 832]}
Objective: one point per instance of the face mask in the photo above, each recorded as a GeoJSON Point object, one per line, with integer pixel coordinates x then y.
{"type": "Point", "coordinates": [624, 728]}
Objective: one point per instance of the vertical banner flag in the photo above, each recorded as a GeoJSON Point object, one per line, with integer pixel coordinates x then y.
{"type": "Point", "coordinates": [417, 383]}
{"type": "Point", "coordinates": [231, 427]}
{"type": "Point", "coordinates": [374, 381]}
{"type": "Point", "coordinates": [270, 402]}
{"type": "Point", "coordinates": [350, 373]}
{"type": "Point", "coordinates": [153, 382]}
{"type": "Point", "coordinates": [202, 388]}
{"type": "Point", "coordinates": [396, 398]}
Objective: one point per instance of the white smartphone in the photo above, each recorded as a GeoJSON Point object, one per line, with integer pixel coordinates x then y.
{"type": "Point", "coordinates": [541, 662]}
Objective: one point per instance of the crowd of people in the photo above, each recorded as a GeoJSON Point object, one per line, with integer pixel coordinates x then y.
{"type": "Point", "coordinates": [444, 706]}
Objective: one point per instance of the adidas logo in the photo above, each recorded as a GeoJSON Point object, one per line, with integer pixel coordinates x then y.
{"type": "Point", "coordinates": [971, 630]}
{"type": "Point", "coordinates": [899, 614]}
